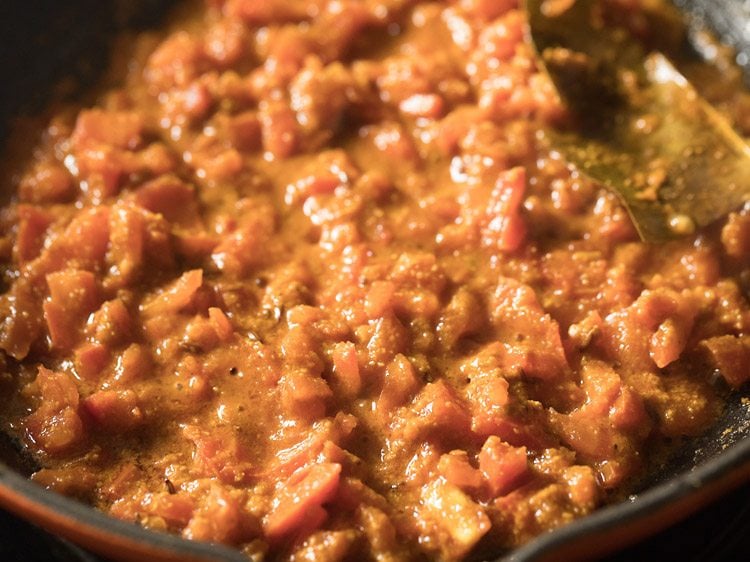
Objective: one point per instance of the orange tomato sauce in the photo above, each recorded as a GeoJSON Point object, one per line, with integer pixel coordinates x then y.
{"type": "Point", "coordinates": [311, 283]}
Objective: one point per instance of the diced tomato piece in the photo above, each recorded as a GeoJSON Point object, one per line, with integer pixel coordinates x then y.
{"type": "Point", "coordinates": [242, 249]}
{"type": "Point", "coordinates": [311, 185]}
{"type": "Point", "coordinates": [336, 28]}
{"type": "Point", "coordinates": [380, 299]}
{"type": "Point", "coordinates": [23, 323]}
{"type": "Point", "coordinates": [460, 27]}
{"type": "Point", "coordinates": [452, 519]}
{"type": "Point", "coordinates": [114, 410]}
{"type": "Point", "coordinates": [132, 365]}
{"type": "Point", "coordinates": [735, 236]}
{"type": "Point", "coordinates": [287, 49]}
{"type": "Point", "coordinates": [388, 339]}
{"type": "Point", "coordinates": [156, 159]}
{"type": "Point", "coordinates": [61, 329]}
{"type": "Point", "coordinates": [244, 131]}
{"type": "Point", "coordinates": [393, 141]}
{"type": "Point", "coordinates": [400, 384]}
{"type": "Point", "coordinates": [454, 127]}
{"type": "Point", "coordinates": [301, 348]}
{"type": "Point", "coordinates": [500, 39]}
{"type": "Point", "coordinates": [304, 316]}
{"type": "Point", "coordinates": [324, 431]}
{"type": "Point", "coordinates": [346, 377]}
{"type": "Point", "coordinates": [221, 324]}
{"type": "Point", "coordinates": [194, 247]}
{"type": "Point", "coordinates": [101, 170]}
{"type": "Point", "coordinates": [628, 413]}
{"type": "Point", "coordinates": [225, 41]}
{"type": "Point", "coordinates": [158, 247]}
{"type": "Point", "coordinates": [170, 197]}
{"type": "Point", "coordinates": [507, 233]}
{"type": "Point", "coordinates": [190, 103]}
{"type": "Point", "coordinates": [55, 425]}
{"type": "Point", "coordinates": [177, 296]}
{"type": "Point", "coordinates": [175, 509]}
{"type": "Point", "coordinates": [126, 241]}
{"type": "Point", "coordinates": [730, 355]}
{"type": "Point", "coordinates": [220, 453]}
{"type": "Point", "coordinates": [32, 229]}
{"type": "Point", "coordinates": [462, 316]}
{"type": "Point", "coordinates": [592, 438]}
{"type": "Point", "coordinates": [201, 333]}
{"type": "Point", "coordinates": [278, 130]}
{"type": "Point", "coordinates": [218, 166]}
{"type": "Point", "coordinates": [124, 479]}
{"type": "Point", "coordinates": [456, 469]}
{"type": "Point", "coordinates": [318, 95]}
{"type": "Point", "coordinates": [502, 465]}
{"type": "Point", "coordinates": [304, 394]}
{"type": "Point", "coordinates": [111, 324]}
{"type": "Point", "coordinates": [417, 303]}
{"type": "Point", "coordinates": [602, 385]}
{"type": "Point", "coordinates": [517, 310]}
{"type": "Point", "coordinates": [418, 270]}
{"type": "Point", "coordinates": [668, 341]}
{"type": "Point", "coordinates": [221, 519]}
{"type": "Point", "coordinates": [121, 129]}
{"type": "Point", "coordinates": [75, 290]}
{"type": "Point", "coordinates": [48, 183]}
{"type": "Point", "coordinates": [175, 61]}
{"type": "Point", "coordinates": [59, 434]}
{"type": "Point", "coordinates": [73, 295]}
{"type": "Point", "coordinates": [57, 390]}
{"type": "Point", "coordinates": [583, 488]}
{"type": "Point", "coordinates": [439, 411]}
{"type": "Point", "coordinates": [90, 360]}
{"type": "Point", "coordinates": [505, 229]}
{"type": "Point", "coordinates": [85, 239]}
{"type": "Point", "coordinates": [304, 493]}
{"type": "Point", "coordinates": [376, 525]}
{"type": "Point", "coordinates": [518, 430]}
{"type": "Point", "coordinates": [652, 330]}
{"type": "Point", "coordinates": [68, 480]}
{"type": "Point", "coordinates": [330, 170]}
{"type": "Point", "coordinates": [487, 393]}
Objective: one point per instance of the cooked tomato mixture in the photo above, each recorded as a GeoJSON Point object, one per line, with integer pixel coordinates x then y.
{"type": "Point", "coordinates": [311, 283]}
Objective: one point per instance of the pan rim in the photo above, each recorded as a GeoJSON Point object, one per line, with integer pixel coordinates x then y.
{"type": "Point", "coordinates": [604, 531]}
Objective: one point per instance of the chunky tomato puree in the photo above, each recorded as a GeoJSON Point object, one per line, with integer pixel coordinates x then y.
{"type": "Point", "coordinates": [310, 282]}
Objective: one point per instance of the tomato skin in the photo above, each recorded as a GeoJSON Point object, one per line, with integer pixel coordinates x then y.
{"type": "Point", "coordinates": [115, 411]}
{"type": "Point", "coordinates": [346, 371]}
{"type": "Point", "coordinates": [298, 505]}
{"type": "Point", "coordinates": [177, 296]}
{"type": "Point", "coordinates": [73, 295]}
{"type": "Point", "coordinates": [454, 517]}
{"type": "Point", "coordinates": [502, 465]}
{"type": "Point", "coordinates": [731, 357]}
{"type": "Point", "coordinates": [55, 426]}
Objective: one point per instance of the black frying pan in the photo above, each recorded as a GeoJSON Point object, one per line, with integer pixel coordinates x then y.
{"type": "Point", "coordinates": [44, 41]}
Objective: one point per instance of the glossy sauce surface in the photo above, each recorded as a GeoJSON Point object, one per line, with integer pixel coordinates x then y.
{"type": "Point", "coordinates": [311, 283]}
